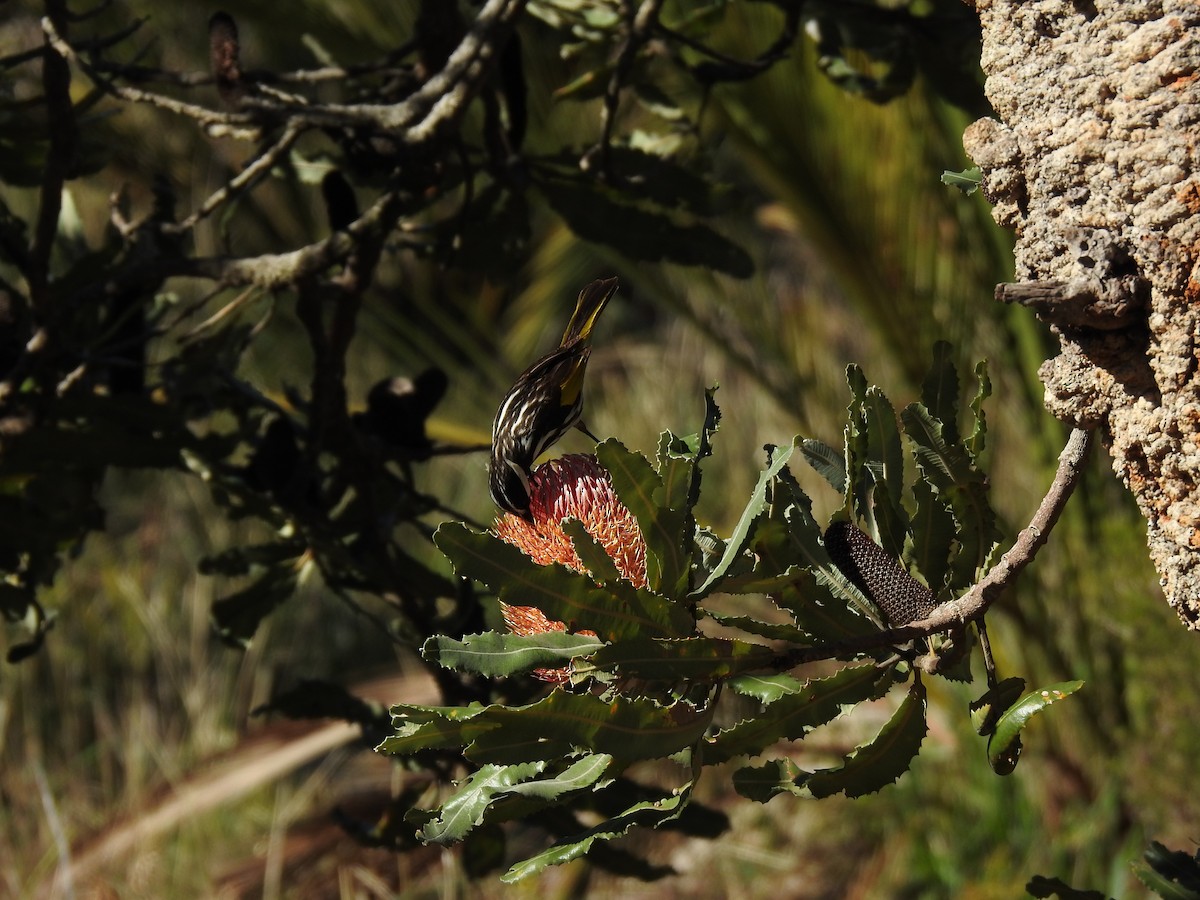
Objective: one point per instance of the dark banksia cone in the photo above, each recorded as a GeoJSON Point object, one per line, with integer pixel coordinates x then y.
{"type": "Point", "coordinates": [899, 596]}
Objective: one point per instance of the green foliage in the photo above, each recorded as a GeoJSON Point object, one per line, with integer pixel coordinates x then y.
{"type": "Point", "coordinates": [1004, 740]}
{"type": "Point", "coordinates": [1171, 874]}
{"type": "Point", "coordinates": [967, 181]}
{"type": "Point", "coordinates": [650, 685]}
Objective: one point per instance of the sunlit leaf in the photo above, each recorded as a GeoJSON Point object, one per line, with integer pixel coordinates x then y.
{"type": "Point", "coordinates": [766, 688]}
{"type": "Point", "coordinates": [1004, 744]}
{"type": "Point", "coordinates": [967, 181]}
{"type": "Point", "coordinates": [977, 439]}
{"type": "Point", "coordinates": [498, 654]}
{"type": "Point", "coordinates": [743, 532]}
{"type": "Point", "coordinates": [490, 786]}
{"type": "Point", "coordinates": [829, 463]}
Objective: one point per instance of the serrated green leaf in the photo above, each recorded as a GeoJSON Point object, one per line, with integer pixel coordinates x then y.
{"type": "Point", "coordinates": [787, 545]}
{"type": "Point", "coordinates": [950, 470]}
{"type": "Point", "coordinates": [793, 716]}
{"type": "Point", "coordinates": [494, 654]}
{"type": "Point", "coordinates": [433, 728]}
{"type": "Point", "coordinates": [766, 688]}
{"type": "Point", "coordinates": [977, 439]}
{"type": "Point", "coordinates": [1171, 874]}
{"type": "Point", "coordinates": [775, 631]}
{"type": "Point", "coordinates": [648, 814]}
{"type": "Point", "coordinates": [744, 531]}
{"type": "Point", "coordinates": [827, 462]}
{"type": "Point", "coordinates": [940, 391]}
{"type": "Point", "coordinates": [466, 807]}
{"type": "Point", "coordinates": [932, 536]}
{"type": "Point", "coordinates": [1003, 745]}
{"type": "Point", "coordinates": [693, 659]}
{"type": "Point", "coordinates": [872, 766]}
{"type": "Point", "coordinates": [818, 611]}
{"type": "Point", "coordinates": [675, 462]}
{"type": "Point", "coordinates": [615, 611]}
{"type": "Point", "coordinates": [967, 181]}
{"type": "Point", "coordinates": [885, 456]}
{"type": "Point", "coordinates": [638, 485]}
{"type": "Point", "coordinates": [500, 793]}
{"type": "Point", "coordinates": [806, 538]}
{"type": "Point", "coordinates": [628, 729]}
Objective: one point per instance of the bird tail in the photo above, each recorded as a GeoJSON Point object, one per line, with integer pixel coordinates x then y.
{"type": "Point", "coordinates": [591, 302]}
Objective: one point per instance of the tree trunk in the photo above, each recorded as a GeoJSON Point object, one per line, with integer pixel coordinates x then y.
{"type": "Point", "coordinates": [1095, 161]}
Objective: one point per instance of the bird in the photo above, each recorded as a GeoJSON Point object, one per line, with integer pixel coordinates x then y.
{"type": "Point", "coordinates": [544, 404]}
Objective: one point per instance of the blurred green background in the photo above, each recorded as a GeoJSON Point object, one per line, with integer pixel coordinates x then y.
{"type": "Point", "coordinates": [860, 255]}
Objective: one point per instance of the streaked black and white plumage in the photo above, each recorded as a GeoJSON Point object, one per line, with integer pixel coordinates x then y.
{"type": "Point", "coordinates": [543, 404]}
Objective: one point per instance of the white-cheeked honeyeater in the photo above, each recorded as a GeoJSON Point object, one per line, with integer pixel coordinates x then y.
{"type": "Point", "coordinates": [544, 404]}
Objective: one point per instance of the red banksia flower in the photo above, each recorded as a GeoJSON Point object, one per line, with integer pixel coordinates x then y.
{"type": "Point", "coordinates": [570, 487]}
{"type": "Point", "coordinates": [576, 487]}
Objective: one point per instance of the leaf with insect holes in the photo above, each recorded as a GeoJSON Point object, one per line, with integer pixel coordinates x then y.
{"type": "Point", "coordinates": [483, 793]}
{"type": "Point", "coordinates": [967, 181]}
{"type": "Point", "coordinates": [1004, 746]}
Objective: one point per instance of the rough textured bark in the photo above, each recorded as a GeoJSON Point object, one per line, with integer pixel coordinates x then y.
{"type": "Point", "coordinates": [1095, 161]}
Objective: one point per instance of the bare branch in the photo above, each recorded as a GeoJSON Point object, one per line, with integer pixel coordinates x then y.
{"type": "Point", "coordinates": [641, 26]}
{"type": "Point", "coordinates": [243, 180]}
{"type": "Point", "coordinates": [56, 82]}
{"type": "Point", "coordinates": [975, 602]}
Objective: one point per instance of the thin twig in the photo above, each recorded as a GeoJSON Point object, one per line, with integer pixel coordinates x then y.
{"type": "Point", "coordinates": [201, 114]}
{"type": "Point", "coordinates": [242, 181]}
{"type": "Point", "coordinates": [975, 602]}
{"type": "Point", "coordinates": [56, 82]}
{"type": "Point", "coordinates": [641, 26]}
